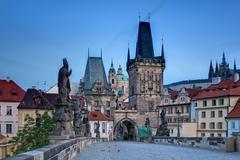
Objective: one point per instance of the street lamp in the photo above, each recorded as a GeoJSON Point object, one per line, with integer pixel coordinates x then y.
{"type": "Point", "coordinates": [178, 127]}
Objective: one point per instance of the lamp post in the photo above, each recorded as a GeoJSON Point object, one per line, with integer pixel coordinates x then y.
{"type": "Point", "coordinates": [178, 126]}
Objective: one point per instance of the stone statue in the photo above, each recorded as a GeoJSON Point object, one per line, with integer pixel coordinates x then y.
{"type": "Point", "coordinates": [162, 130]}
{"type": "Point", "coordinates": [63, 111]}
{"type": "Point", "coordinates": [64, 82]}
{"type": "Point", "coordinates": [147, 123]}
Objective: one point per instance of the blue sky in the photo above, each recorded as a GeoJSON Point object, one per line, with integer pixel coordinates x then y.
{"type": "Point", "coordinates": [36, 34]}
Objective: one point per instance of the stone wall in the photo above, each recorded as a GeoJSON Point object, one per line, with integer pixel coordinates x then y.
{"type": "Point", "coordinates": [207, 143]}
{"type": "Point", "coordinates": [63, 150]}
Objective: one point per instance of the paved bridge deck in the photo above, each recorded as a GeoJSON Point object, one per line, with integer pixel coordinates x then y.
{"type": "Point", "coordinates": [142, 151]}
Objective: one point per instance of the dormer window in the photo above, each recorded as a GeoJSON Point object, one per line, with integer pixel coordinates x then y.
{"type": "Point", "coordinates": [13, 92]}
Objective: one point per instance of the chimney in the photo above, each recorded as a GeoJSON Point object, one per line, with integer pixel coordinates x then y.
{"type": "Point", "coordinates": [8, 79]}
{"type": "Point", "coordinates": [236, 77]}
{"type": "Point", "coordinates": [216, 80]}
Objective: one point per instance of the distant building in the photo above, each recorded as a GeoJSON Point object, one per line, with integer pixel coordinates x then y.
{"type": "Point", "coordinates": [74, 89]}
{"type": "Point", "coordinates": [11, 95]}
{"type": "Point", "coordinates": [179, 101]}
{"type": "Point", "coordinates": [119, 84]}
{"type": "Point", "coordinates": [222, 70]}
{"type": "Point", "coordinates": [213, 104]}
{"type": "Point", "coordinates": [105, 125]}
{"type": "Point", "coordinates": [35, 101]}
{"type": "Point", "coordinates": [233, 120]}
{"type": "Point", "coordinates": [95, 88]}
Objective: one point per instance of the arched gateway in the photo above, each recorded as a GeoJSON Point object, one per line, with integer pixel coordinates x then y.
{"type": "Point", "coordinates": [125, 129]}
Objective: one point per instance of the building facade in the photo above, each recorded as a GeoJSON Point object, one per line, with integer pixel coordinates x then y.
{"type": "Point", "coordinates": [105, 125]}
{"type": "Point", "coordinates": [177, 107]}
{"type": "Point", "coordinates": [212, 106]}
{"type": "Point", "coordinates": [233, 120]}
{"type": "Point", "coordinates": [10, 96]}
{"type": "Point", "coordinates": [35, 101]}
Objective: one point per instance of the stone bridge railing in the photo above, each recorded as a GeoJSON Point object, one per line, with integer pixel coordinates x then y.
{"type": "Point", "coordinates": [63, 150]}
{"type": "Point", "coordinates": [216, 143]}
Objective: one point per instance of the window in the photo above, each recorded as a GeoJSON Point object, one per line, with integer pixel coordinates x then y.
{"type": "Point", "coordinates": [112, 81]}
{"type": "Point", "coordinates": [108, 103]}
{"type": "Point", "coordinates": [219, 135]}
{"type": "Point", "coordinates": [182, 109]}
{"type": "Point", "coordinates": [0, 110]}
{"type": "Point", "coordinates": [211, 134]}
{"type": "Point", "coordinates": [108, 112]}
{"type": "Point", "coordinates": [9, 110]}
{"type": "Point", "coordinates": [202, 134]}
{"type": "Point", "coordinates": [195, 104]}
{"type": "Point", "coordinates": [176, 109]}
{"type": "Point", "coordinates": [169, 110]}
{"type": "Point", "coordinates": [212, 114]}
{"type": "Point", "coordinates": [214, 102]}
{"type": "Point", "coordinates": [8, 128]}
{"type": "Point", "coordinates": [182, 99]}
{"type": "Point", "coordinates": [95, 127]}
{"type": "Point", "coordinates": [188, 109]}
{"type": "Point", "coordinates": [212, 125]}
{"type": "Point", "coordinates": [233, 125]}
{"type": "Point", "coordinates": [204, 103]}
{"type": "Point", "coordinates": [219, 125]}
{"type": "Point", "coordinates": [203, 114]}
{"type": "Point", "coordinates": [221, 101]}
{"type": "Point", "coordinates": [0, 128]}
{"type": "Point", "coordinates": [166, 100]}
{"type": "Point", "coordinates": [220, 114]}
{"type": "Point", "coordinates": [103, 127]}
{"type": "Point", "coordinates": [203, 125]}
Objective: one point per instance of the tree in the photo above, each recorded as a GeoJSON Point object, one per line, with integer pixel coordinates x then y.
{"type": "Point", "coordinates": [33, 135]}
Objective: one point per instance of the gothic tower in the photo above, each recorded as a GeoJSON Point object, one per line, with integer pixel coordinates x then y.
{"type": "Point", "coordinates": [145, 72]}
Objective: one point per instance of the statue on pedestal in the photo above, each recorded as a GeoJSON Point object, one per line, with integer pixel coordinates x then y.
{"type": "Point", "coordinates": [162, 130]}
{"type": "Point", "coordinates": [63, 112]}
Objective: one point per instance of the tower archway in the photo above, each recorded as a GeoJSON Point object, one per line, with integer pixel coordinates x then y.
{"type": "Point", "coordinates": [126, 129]}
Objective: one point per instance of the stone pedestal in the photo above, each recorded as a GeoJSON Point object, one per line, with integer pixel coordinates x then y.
{"type": "Point", "coordinates": [63, 117]}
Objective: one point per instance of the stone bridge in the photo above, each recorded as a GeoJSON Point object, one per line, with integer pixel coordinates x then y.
{"type": "Point", "coordinates": [99, 149]}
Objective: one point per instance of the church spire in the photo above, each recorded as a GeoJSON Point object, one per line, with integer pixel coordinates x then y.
{"type": "Point", "coordinates": [216, 70]}
{"type": "Point", "coordinates": [211, 71]}
{"type": "Point", "coordinates": [235, 66]}
{"type": "Point", "coordinates": [224, 59]}
{"type": "Point", "coordinates": [128, 53]}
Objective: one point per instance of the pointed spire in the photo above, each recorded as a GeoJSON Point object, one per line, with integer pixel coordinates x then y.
{"type": "Point", "coordinates": [128, 53]}
{"type": "Point", "coordinates": [224, 59]}
{"type": "Point", "coordinates": [101, 52]}
{"type": "Point", "coordinates": [216, 70]}
{"type": "Point", "coordinates": [211, 71]}
{"type": "Point", "coordinates": [235, 66]}
{"type": "Point", "coordinates": [162, 50]}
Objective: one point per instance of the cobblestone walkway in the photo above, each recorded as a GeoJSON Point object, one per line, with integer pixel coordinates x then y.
{"type": "Point", "coordinates": [143, 151]}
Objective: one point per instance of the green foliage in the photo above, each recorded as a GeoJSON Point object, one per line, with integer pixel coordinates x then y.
{"type": "Point", "coordinates": [33, 136]}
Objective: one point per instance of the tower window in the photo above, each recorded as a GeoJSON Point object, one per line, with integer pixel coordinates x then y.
{"type": "Point", "coordinates": [112, 81]}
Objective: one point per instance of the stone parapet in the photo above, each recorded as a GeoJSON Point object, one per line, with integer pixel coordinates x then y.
{"type": "Point", "coordinates": [63, 150]}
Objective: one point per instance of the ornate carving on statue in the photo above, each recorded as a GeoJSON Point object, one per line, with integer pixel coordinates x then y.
{"type": "Point", "coordinates": [64, 82]}
{"type": "Point", "coordinates": [162, 130]}
{"type": "Point", "coordinates": [147, 123]}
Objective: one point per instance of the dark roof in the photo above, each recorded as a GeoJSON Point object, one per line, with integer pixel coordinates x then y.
{"type": "Point", "coordinates": [37, 99]}
{"type": "Point", "coordinates": [188, 82]}
{"type": "Point", "coordinates": [235, 113]}
{"type": "Point", "coordinates": [144, 47]}
{"type": "Point", "coordinates": [95, 71]}
{"type": "Point", "coordinates": [10, 91]}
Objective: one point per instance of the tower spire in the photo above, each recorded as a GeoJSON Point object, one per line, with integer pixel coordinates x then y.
{"type": "Point", "coordinates": [223, 59]}
{"type": "Point", "coordinates": [128, 53]}
{"type": "Point", "coordinates": [211, 71]}
{"type": "Point", "coordinates": [235, 66]}
{"type": "Point", "coordinates": [88, 52]}
{"type": "Point", "coordinates": [101, 52]}
{"type": "Point", "coordinates": [216, 70]}
{"type": "Point", "coordinates": [162, 50]}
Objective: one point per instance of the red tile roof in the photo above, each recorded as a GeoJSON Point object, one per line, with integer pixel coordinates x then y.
{"type": "Point", "coordinates": [10, 91]}
{"type": "Point", "coordinates": [98, 116]}
{"type": "Point", "coordinates": [193, 92]}
{"type": "Point", "coordinates": [224, 88]}
{"type": "Point", "coordinates": [218, 93]}
{"type": "Point", "coordinates": [235, 113]}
